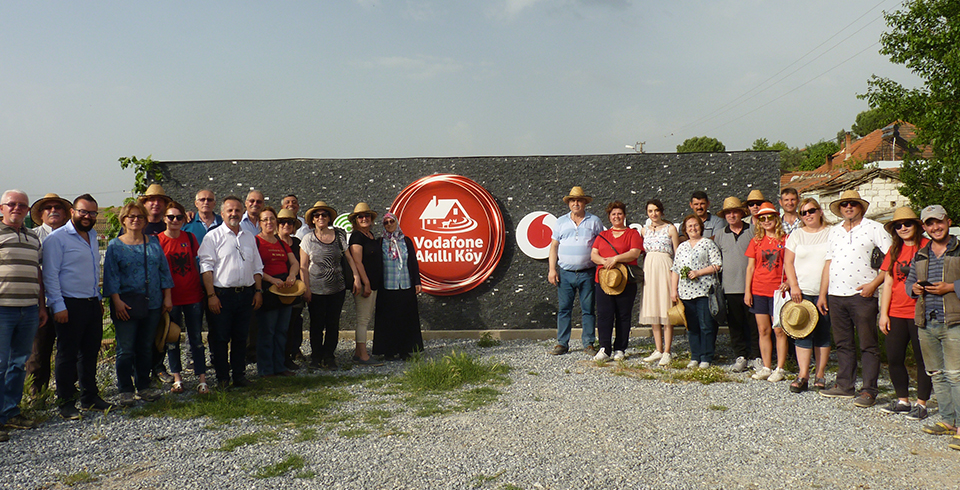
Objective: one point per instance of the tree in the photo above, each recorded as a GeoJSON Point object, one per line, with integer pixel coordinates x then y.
{"type": "Point", "coordinates": [701, 144]}
{"type": "Point", "coordinates": [815, 155]}
{"type": "Point", "coordinates": [925, 37]}
{"type": "Point", "coordinates": [762, 144]}
{"type": "Point", "coordinates": [143, 169]}
{"type": "Point", "coordinates": [871, 120]}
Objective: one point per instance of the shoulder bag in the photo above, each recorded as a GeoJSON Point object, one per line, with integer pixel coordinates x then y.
{"type": "Point", "coordinates": [634, 272]}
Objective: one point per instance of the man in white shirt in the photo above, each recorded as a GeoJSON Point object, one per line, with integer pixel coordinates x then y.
{"type": "Point", "coordinates": [250, 221]}
{"type": "Point", "coordinates": [847, 291]}
{"type": "Point", "coordinates": [231, 269]}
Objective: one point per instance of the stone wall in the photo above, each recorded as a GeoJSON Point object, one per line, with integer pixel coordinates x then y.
{"type": "Point", "coordinates": [517, 294]}
{"type": "Point", "coordinates": [883, 194]}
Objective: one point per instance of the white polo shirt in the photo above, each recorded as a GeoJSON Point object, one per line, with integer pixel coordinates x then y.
{"type": "Point", "coordinates": [849, 253]}
{"type": "Point", "coordinates": [232, 257]}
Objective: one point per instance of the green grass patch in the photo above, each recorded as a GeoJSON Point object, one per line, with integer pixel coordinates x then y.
{"type": "Point", "coordinates": [246, 440]}
{"type": "Point", "coordinates": [487, 340]}
{"type": "Point", "coordinates": [305, 475]}
{"type": "Point", "coordinates": [80, 477]}
{"type": "Point", "coordinates": [306, 434]}
{"type": "Point", "coordinates": [354, 432]}
{"type": "Point", "coordinates": [290, 463]}
{"type": "Point", "coordinates": [480, 479]}
{"type": "Point", "coordinates": [719, 408]}
{"type": "Point", "coordinates": [450, 372]}
{"type": "Point", "coordinates": [706, 376]}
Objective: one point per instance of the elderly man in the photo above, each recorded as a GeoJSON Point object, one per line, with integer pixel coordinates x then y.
{"type": "Point", "coordinates": [572, 270]}
{"type": "Point", "coordinates": [205, 219]}
{"type": "Point", "coordinates": [22, 306]}
{"type": "Point", "coordinates": [934, 280]}
{"type": "Point", "coordinates": [155, 200]}
{"type": "Point", "coordinates": [251, 218]}
{"type": "Point", "coordinates": [789, 200]}
{"type": "Point", "coordinates": [700, 204]}
{"type": "Point", "coordinates": [847, 291]}
{"type": "Point", "coordinates": [291, 202]}
{"type": "Point", "coordinates": [733, 241]}
{"type": "Point", "coordinates": [71, 273]}
{"type": "Point", "coordinates": [52, 212]}
{"type": "Point", "coordinates": [231, 269]}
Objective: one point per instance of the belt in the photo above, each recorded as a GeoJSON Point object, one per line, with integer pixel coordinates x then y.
{"type": "Point", "coordinates": [237, 290]}
{"type": "Point", "coordinates": [92, 298]}
{"type": "Point", "coordinates": [580, 270]}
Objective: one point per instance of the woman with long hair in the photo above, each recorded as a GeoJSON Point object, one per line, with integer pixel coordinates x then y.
{"type": "Point", "coordinates": [897, 315]}
{"type": "Point", "coordinates": [697, 262]}
{"type": "Point", "coordinates": [613, 248]}
{"type": "Point", "coordinates": [764, 279]}
{"type": "Point", "coordinates": [280, 269]}
{"type": "Point", "coordinates": [660, 240]}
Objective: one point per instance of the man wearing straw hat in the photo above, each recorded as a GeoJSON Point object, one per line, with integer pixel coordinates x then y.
{"type": "Point", "coordinates": [572, 271]}
{"type": "Point", "coordinates": [155, 200]}
{"type": "Point", "coordinates": [849, 296]}
{"type": "Point", "coordinates": [733, 241]}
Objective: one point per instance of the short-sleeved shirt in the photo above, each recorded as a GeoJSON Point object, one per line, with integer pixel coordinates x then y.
{"type": "Point", "coordinates": [768, 266]}
{"type": "Point", "coordinates": [733, 246]}
{"type": "Point", "coordinates": [326, 273]}
{"type": "Point", "coordinates": [181, 255]}
{"type": "Point", "coordinates": [810, 250]}
{"type": "Point", "coordinates": [199, 228]}
{"type": "Point", "coordinates": [20, 259]}
{"type": "Point", "coordinates": [274, 257]}
{"type": "Point", "coordinates": [902, 305]}
{"type": "Point", "coordinates": [576, 242]}
{"type": "Point", "coordinates": [711, 226]}
{"type": "Point", "coordinates": [697, 257]}
{"type": "Point", "coordinates": [136, 269]}
{"type": "Point", "coordinates": [629, 239]}
{"type": "Point", "coordinates": [371, 258]}
{"type": "Point", "coordinates": [789, 228]}
{"type": "Point", "coordinates": [849, 253]}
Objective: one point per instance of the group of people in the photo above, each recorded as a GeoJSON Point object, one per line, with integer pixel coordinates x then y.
{"type": "Point", "coordinates": [249, 270]}
{"type": "Point", "coordinates": [787, 284]}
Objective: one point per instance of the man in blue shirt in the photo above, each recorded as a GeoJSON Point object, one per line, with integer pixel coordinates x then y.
{"type": "Point", "coordinates": [572, 271]}
{"type": "Point", "coordinates": [205, 219]}
{"type": "Point", "coordinates": [71, 275]}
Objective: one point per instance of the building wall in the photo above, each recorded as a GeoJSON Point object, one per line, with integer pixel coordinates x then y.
{"type": "Point", "coordinates": [517, 294]}
{"type": "Point", "coordinates": [882, 193]}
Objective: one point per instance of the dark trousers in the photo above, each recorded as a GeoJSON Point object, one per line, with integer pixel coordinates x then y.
{"type": "Point", "coordinates": [78, 344]}
{"type": "Point", "coordinates": [852, 316]}
{"type": "Point", "coordinates": [325, 324]}
{"type": "Point", "coordinates": [39, 364]}
{"type": "Point", "coordinates": [903, 331]}
{"type": "Point", "coordinates": [744, 337]}
{"type": "Point", "coordinates": [294, 334]}
{"type": "Point", "coordinates": [613, 313]}
{"type": "Point", "coordinates": [228, 332]}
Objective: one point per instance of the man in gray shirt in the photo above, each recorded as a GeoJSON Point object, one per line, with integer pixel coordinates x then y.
{"type": "Point", "coordinates": [733, 240]}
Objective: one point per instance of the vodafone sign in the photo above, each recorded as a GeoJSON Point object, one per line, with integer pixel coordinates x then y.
{"type": "Point", "coordinates": [457, 228]}
{"type": "Point", "coordinates": [535, 233]}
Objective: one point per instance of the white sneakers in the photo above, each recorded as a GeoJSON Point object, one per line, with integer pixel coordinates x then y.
{"type": "Point", "coordinates": [740, 365]}
{"type": "Point", "coordinates": [692, 364]}
{"type": "Point", "coordinates": [665, 359]}
{"type": "Point", "coordinates": [654, 357]}
{"type": "Point", "coordinates": [762, 373]}
{"type": "Point", "coordinates": [618, 355]}
{"type": "Point", "coordinates": [601, 355]}
{"type": "Point", "coordinates": [704, 365]}
{"type": "Point", "coordinates": [777, 375]}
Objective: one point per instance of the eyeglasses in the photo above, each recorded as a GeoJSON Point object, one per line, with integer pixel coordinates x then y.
{"type": "Point", "coordinates": [254, 201]}
{"type": "Point", "coordinates": [89, 214]}
{"type": "Point", "coordinates": [844, 204]}
{"type": "Point", "coordinates": [16, 205]}
{"type": "Point", "coordinates": [392, 221]}
{"type": "Point", "coordinates": [766, 217]}
{"type": "Point", "coordinates": [809, 212]}
{"type": "Point", "coordinates": [901, 224]}
{"type": "Point", "coordinates": [175, 217]}
{"type": "Point", "coordinates": [268, 219]}
{"type": "Point", "coordinates": [52, 207]}
{"type": "Point", "coordinates": [135, 217]}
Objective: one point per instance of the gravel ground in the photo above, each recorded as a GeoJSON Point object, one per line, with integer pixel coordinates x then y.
{"type": "Point", "coordinates": [563, 423]}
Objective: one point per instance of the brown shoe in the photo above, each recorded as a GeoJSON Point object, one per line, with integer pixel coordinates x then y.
{"type": "Point", "coordinates": [559, 350]}
{"type": "Point", "coordinates": [864, 400]}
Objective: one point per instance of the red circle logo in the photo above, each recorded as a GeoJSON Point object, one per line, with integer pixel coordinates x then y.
{"type": "Point", "coordinates": [457, 228]}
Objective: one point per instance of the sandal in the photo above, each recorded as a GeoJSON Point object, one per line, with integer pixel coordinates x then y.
{"type": "Point", "coordinates": [177, 387]}
{"type": "Point", "coordinates": [799, 385]}
{"type": "Point", "coordinates": [820, 383]}
{"type": "Point", "coordinates": [203, 389]}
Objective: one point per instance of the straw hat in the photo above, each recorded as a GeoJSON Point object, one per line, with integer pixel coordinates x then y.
{"type": "Point", "coordinates": [903, 214]}
{"type": "Point", "coordinates": [167, 332]}
{"type": "Point", "coordinates": [767, 208]}
{"type": "Point", "coordinates": [613, 281]}
{"type": "Point", "coordinates": [289, 294]}
{"type": "Point", "coordinates": [850, 195]}
{"type": "Point", "coordinates": [577, 193]}
{"type": "Point", "coordinates": [677, 314]}
{"type": "Point", "coordinates": [155, 190]}
{"type": "Point", "coordinates": [289, 214]}
{"type": "Point", "coordinates": [732, 203]}
{"type": "Point", "coordinates": [755, 196]}
{"type": "Point", "coordinates": [36, 211]}
{"type": "Point", "coordinates": [798, 320]}
{"type": "Point", "coordinates": [359, 209]}
{"type": "Point", "coordinates": [308, 216]}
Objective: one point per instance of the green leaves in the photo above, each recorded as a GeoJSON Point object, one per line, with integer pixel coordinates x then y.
{"type": "Point", "coordinates": [145, 171]}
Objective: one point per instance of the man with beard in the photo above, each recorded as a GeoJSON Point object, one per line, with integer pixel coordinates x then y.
{"type": "Point", "coordinates": [231, 269]}
{"type": "Point", "coordinates": [52, 212]}
{"type": "Point", "coordinates": [71, 271]}
{"type": "Point", "coordinates": [155, 200]}
{"type": "Point", "coordinates": [204, 219]}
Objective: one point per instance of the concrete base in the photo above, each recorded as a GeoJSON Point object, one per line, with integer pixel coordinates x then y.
{"type": "Point", "coordinates": [514, 334]}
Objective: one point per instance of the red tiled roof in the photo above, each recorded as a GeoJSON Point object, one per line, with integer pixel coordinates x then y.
{"type": "Point", "coordinates": [879, 145]}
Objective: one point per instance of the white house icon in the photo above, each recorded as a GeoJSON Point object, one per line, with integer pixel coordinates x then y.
{"type": "Point", "coordinates": [446, 216]}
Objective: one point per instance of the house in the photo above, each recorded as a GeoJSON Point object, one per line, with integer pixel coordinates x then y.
{"type": "Point", "coordinates": [883, 148]}
{"type": "Point", "coordinates": [446, 216]}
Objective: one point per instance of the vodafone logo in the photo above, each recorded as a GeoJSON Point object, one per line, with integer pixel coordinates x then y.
{"type": "Point", "coordinates": [534, 234]}
{"type": "Point", "coordinates": [457, 228]}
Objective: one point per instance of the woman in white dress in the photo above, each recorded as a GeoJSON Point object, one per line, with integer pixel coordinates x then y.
{"type": "Point", "coordinates": [660, 240]}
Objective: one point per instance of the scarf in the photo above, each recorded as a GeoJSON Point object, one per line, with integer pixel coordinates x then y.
{"type": "Point", "coordinates": [394, 245]}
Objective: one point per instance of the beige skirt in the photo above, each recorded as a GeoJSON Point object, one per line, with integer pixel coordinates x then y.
{"type": "Point", "coordinates": [656, 289]}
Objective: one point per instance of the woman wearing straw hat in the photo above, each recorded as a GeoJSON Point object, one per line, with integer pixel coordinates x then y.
{"type": "Point", "coordinates": [764, 279]}
{"type": "Point", "coordinates": [694, 270]}
{"type": "Point", "coordinates": [365, 248]}
{"type": "Point", "coordinates": [397, 318]}
{"type": "Point", "coordinates": [897, 314]}
{"type": "Point", "coordinates": [660, 240]}
{"type": "Point", "coordinates": [612, 250]}
{"type": "Point", "coordinates": [287, 225]}
{"type": "Point", "coordinates": [803, 265]}
{"type": "Point", "coordinates": [280, 268]}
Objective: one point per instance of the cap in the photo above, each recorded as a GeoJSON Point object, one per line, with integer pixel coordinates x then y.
{"type": "Point", "coordinates": [934, 211]}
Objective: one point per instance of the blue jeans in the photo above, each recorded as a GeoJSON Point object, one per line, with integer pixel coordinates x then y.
{"type": "Point", "coordinates": [228, 333]}
{"type": "Point", "coordinates": [135, 351]}
{"type": "Point", "coordinates": [570, 284]}
{"type": "Point", "coordinates": [18, 325]}
{"type": "Point", "coordinates": [272, 327]}
{"type": "Point", "coordinates": [701, 329]}
{"type": "Point", "coordinates": [940, 345]}
{"type": "Point", "coordinates": [189, 317]}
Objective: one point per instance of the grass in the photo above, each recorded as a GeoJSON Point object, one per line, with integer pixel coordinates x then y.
{"type": "Point", "coordinates": [74, 479]}
{"type": "Point", "coordinates": [246, 440]}
{"type": "Point", "coordinates": [487, 340]}
{"type": "Point", "coordinates": [710, 375]}
{"type": "Point", "coordinates": [290, 463]}
{"type": "Point", "coordinates": [480, 479]}
{"type": "Point", "coordinates": [719, 408]}
{"type": "Point", "coordinates": [450, 372]}
{"type": "Point", "coordinates": [713, 374]}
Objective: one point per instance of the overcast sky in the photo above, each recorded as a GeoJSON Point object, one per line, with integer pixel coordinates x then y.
{"type": "Point", "coordinates": [84, 83]}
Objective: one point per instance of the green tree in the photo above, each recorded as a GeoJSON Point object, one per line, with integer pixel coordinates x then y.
{"type": "Point", "coordinates": [145, 171]}
{"type": "Point", "coordinates": [815, 155]}
{"type": "Point", "coordinates": [762, 144]}
{"type": "Point", "coordinates": [871, 120]}
{"type": "Point", "coordinates": [701, 144]}
{"type": "Point", "coordinates": [925, 37]}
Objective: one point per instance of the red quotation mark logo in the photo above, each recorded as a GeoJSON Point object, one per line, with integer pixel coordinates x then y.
{"type": "Point", "coordinates": [534, 234]}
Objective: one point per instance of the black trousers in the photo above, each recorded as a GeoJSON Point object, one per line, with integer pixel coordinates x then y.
{"type": "Point", "coordinates": [78, 344]}
{"type": "Point", "coordinates": [228, 332]}
{"type": "Point", "coordinates": [744, 337]}
{"type": "Point", "coordinates": [325, 324]}
{"type": "Point", "coordinates": [613, 314]}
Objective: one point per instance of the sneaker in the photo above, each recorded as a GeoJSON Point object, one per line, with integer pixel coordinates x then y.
{"type": "Point", "coordinates": [559, 350]}
{"type": "Point", "coordinates": [590, 350]}
{"type": "Point", "coordinates": [149, 395]}
{"type": "Point", "coordinates": [762, 373]}
{"type": "Point", "coordinates": [97, 405]}
{"type": "Point", "coordinates": [704, 365]}
{"type": "Point", "coordinates": [897, 407]}
{"type": "Point", "coordinates": [939, 429]}
{"type": "Point", "coordinates": [756, 364]}
{"type": "Point", "coordinates": [918, 412]}
{"type": "Point", "coordinates": [776, 375]}
{"type": "Point", "coordinates": [618, 355]}
{"type": "Point", "coordinates": [655, 356]}
{"type": "Point", "coordinates": [836, 392]}
{"type": "Point", "coordinates": [692, 364]}
{"type": "Point", "coordinates": [69, 412]}
{"type": "Point", "coordinates": [601, 355]}
{"type": "Point", "coordinates": [20, 422]}
{"type": "Point", "coordinates": [127, 399]}
{"type": "Point", "coordinates": [954, 443]}
{"type": "Point", "coordinates": [864, 400]}
{"type": "Point", "coordinates": [665, 359]}
{"type": "Point", "coordinates": [740, 365]}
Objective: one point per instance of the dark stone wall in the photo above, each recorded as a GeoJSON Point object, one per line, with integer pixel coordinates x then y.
{"type": "Point", "coordinates": [517, 294]}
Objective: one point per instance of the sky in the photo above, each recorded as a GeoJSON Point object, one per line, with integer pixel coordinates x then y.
{"type": "Point", "coordinates": [85, 83]}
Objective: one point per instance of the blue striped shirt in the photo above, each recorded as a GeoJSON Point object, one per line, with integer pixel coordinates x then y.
{"type": "Point", "coordinates": [576, 242]}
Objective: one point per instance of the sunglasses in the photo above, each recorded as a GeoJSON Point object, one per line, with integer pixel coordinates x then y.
{"type": "Point", "coordinates": [844, 204]}
{"type": "Point", "coordinates": [809, 212]}
{"type": "Point", "coordinates": [392, 221]}
{"type": "Point", "coordinates": [323, 215]}
{"type": "Point", "coordinates": [290, 222]}
{"type": "Point", "coordinates": [135, 217]}
{"type": "Point", "coordinates": [766, 217]}
{"type": "Point", "coordinates": [175, 217]}
{"type": "Point", "coordinates": [364, 216]}
{"type": "Point", "coordinates": [902, 224]}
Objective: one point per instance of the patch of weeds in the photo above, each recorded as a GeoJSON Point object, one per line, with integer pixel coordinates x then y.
{"type": "Point", "coordinates": [719, 408]}
{"type": "Point", "coordinates": [487, 340]}
{"type": "Point", "coordinates": [533, 373]}
{"type": "Point", "coordinates": [509, 486]}
{"type": "Point", "coordinates": [307, 434]}
{"type": "Point", "coordinates": [34, 406]}
{"type": "Point", "coordinates": [74, 479]}
{"type": "Point", "coordinates": [290, 463]}
{"type": "Point", "coordinates": [247, 439]}
{"type": "Point", "coordinates": [705, 376]}
{"type": "Point", "coordinates": [377, 417]}
{"type": "Point", "coordinates": [450, 372]}
{"type": "Point", "coordinates": [480, 479]}
{"type": "Point", "coordinates": [304, 475]}
{"type": "Point", "coordinates": [353, 432]}
{"type": "Point", "coordinates": [566, 371]}
{"type": "Point", "coordinates": [477, 397]}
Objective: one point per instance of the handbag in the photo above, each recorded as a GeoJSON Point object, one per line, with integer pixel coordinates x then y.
{"type": "Point", "coordinates": [780, 299]}
{"type": "Point", "coordinates": [876, 258]}
{"type": "Point", "coordinates": [718, 303]}
{"type": "Point", "coordinates": [344, 264]}
{"type": "Point", "coordinates": [138, 302]}
{"type": "Point", "coordinates": [634, 272]}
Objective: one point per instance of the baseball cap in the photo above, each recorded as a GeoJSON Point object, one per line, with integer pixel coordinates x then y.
{"type": "Point", "coordinates": [935, 211]}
